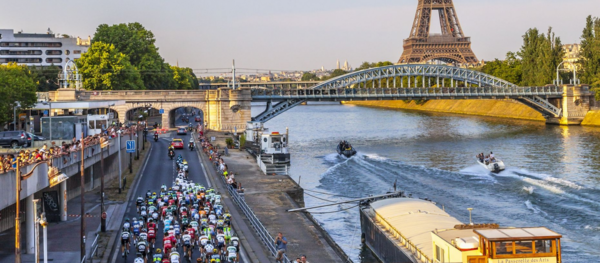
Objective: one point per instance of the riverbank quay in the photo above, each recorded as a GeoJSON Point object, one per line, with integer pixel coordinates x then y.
{"type": "Point", "coordinates": [491, 108]}
{"type": "Point", "coordinates": [269, 198]}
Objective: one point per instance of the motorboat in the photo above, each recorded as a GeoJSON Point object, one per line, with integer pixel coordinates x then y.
{"type": "Point", "coordinates": [344, 148]}
{"type": "Point", "coordinates": [494, 166]}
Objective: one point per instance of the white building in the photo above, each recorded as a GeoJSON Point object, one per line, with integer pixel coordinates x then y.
{"type": "Point", "coordinates": [34, 49]}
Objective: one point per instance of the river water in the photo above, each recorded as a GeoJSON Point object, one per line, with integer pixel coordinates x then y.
{"type": "Point", "coordinates": [551, 177]}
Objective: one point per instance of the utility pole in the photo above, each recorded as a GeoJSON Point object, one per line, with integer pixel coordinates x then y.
{"type": "Point", "coordinates": [130, 154]}
{"type": "Point", "coordinates": [119, 154]}
{"type": "Point", "coordinates": [37, 231]}
{"type": "Point", "coordinates": [44, 224]}
{"type": "Point", "coordinates": [137, 144]}
{"type": "Point", "coordinates": [102, 217]}
{"type": "Point", "coordinates": [17, 217]}
{"type": "Point", "coordinates": [82, 202]}
{"type": "Point", "coordinates": [233, 79]}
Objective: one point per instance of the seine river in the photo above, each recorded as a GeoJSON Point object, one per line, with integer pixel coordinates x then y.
{"type": "Point", "coordinates": [551, 178]}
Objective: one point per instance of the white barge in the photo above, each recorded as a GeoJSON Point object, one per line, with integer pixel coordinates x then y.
{"type": "Point", "coordinates": [407, 230]}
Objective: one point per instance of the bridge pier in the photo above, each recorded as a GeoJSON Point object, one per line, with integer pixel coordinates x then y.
{"type": "Point", "coordinates": [575, 104]}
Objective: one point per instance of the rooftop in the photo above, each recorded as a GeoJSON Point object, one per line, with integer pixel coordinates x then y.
{"type": "Point", "coordinates": [415, 219]}
{"type": "Point", "coordinates": [527, 233]}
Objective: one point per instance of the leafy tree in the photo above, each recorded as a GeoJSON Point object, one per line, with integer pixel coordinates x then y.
{"type": "Point", "coordinates": [509, 69]}
{"type": "Point", "coordinates": [16, 84]}
{"type": "Point", "coordinates": [104, 68]}
{"type": "Point", "coordinates": [540, 56]}
{"type": "Point", "coordinates": [46, 77]}
{"type": "Point", "coordinates": [335, 73]}
{"type": "Point", "coordinates": [138, 44]}
{"type": "Point", "coordinates": [590, 54]}
{"type": "Point", "coordinates": [308, 76]}
{"type": "Point", "coordinates": [184, 78]}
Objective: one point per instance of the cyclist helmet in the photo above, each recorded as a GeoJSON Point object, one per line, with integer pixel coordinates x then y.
{"type": "Point", "coordinates": [127, 219]}
{"type": "Point", "coordinates": [138, 260]}
{"type": "Point", "coordinates": [158, 250]}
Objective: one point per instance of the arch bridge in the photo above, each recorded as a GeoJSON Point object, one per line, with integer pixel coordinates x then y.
{"type": "Point", "coordinates": [229, 109]}
{"type": "Point", "coordinates": [422, 82]}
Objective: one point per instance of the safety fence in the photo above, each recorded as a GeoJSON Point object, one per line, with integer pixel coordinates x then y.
{"type": "Point", "coordinates": [259, 228]}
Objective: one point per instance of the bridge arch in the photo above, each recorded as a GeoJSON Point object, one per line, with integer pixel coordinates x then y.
{"type": "Point", "coordinates": [358, 81]}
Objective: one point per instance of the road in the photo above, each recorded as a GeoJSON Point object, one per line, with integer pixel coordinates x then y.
{"type": "Point", "coordinates": [159, 170]}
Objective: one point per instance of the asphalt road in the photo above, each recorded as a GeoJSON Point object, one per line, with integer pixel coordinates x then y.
{"type": "Point", "coordinates": [159, 170]}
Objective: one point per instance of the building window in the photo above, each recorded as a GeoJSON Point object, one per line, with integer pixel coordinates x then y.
{"type": "Point", "coordinates": [21, 60]}
{"type": "Point", "coordinates": [53, 52]}
{"type": "Point", "coordinates": [30, 44]}
{"type": "Point", "coordinates": [76, 51]}
{"type": "Point", "coordinates": [543, 246]}
{"type": "Point", "coordinates": [439, 254]}
{"type": "Point", "coordinates": [20, 52]}
{"type": "Point", "coordinates": [67, 52]}
{"type": "Point", "coordinates": [504, 248]}
{"type": "Point", "coordinates": [53, 60]}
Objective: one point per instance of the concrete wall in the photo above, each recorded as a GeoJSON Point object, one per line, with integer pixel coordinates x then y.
{"type": "Point", "coordinates": [493, 108]}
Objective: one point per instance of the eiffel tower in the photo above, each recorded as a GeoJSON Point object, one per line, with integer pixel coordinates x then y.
{"type": "Point", "coordinates": [451, 46]}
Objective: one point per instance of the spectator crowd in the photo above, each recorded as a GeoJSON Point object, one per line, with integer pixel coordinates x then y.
{"type": "Point", "coordinates": [63, 151]}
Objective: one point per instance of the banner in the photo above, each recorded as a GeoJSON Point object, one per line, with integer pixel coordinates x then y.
{"type": "Point", "coordinates": [51, 206]}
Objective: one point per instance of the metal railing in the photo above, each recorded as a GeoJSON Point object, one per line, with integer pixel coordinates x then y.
{"type": "Point", "coordinates": [94, 248]}
{"type": "Point", "coordinates": [259, 228]}
{"type": "Point", "coordinates": [365, 93]}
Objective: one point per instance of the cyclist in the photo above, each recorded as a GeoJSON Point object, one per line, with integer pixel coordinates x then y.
{"type": "Point", "coordinates": [138, 260]}
{"type": "Point", "coordinates": [157, 257]}
{"type": "Point", "coordinates": [232, 253]}
{"type": "Point", "coordinates": [174, 256]}
{"type": "Point", "coordinates": [142, 248]}
{"type": "Point", "coordinates": [135, 227]}
{"type": "Point", "coordinates": [138, 202]}
{"type": "Point", "coordinates": [125, 238]}
{"type": "Point", "coordinates": [187, 243]}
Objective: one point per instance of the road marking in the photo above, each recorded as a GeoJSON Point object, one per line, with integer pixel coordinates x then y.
{"type": "Point", "coordinates": [203, 168]}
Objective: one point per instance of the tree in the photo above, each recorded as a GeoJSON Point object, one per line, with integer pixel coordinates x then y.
{"type": "Point", "coordinates": [184, 78]}
{"type": "Point", "coordinates": [509, 69]}
{"type": "Point", "coordinates": [590, 54]}
{"type": "Point", "coordinates": [16, 85]}
{"type": "Point", "coordinates": [308, 76]}
{"type": "Point", "coordinates": [540, 56]}
{"type": "Point", "coordinates": [138, 44]}
{"type": "Point", "coordinates": [104, 68]}
{"type": "Point", "coordinates": [335, 73]}
{"type": "Point", "coordinates": [46, 78]}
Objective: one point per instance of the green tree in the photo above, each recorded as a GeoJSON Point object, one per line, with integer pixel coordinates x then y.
{"type": "Point", "coordinates": [46, 77]}
{"type": "Point", "coordinates": [509, 69]}
{"type": "Point", "coordinates": [138, 44]}
{"type": "Point", "coordinates": [335, 73]}
{"type": "Point", "coordinates": [104, 68]}
{"type": "Point", "coordinates": [590, 54]}
{"type": "Point", "coordinates": [309, 76]}
{"type": "Point", "coordinates": [184, 78]}
{"type": "Point", "coordinates": [16, 85]}
{"type": "Point", "coordinates": [540, 55]}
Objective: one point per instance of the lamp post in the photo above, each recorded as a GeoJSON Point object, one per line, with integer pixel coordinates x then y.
{"type": "Point", "coordinates": [103, 144]}
{"type": "Point", "coordinates": [19, 178]}
{"type": "Point", "coordinates": [44, 223]}
{"type": "Point", "coordinates": [119, 151]}
{"type": "Point", "coordinates": [49, 103]}
{"type": "Point", "coordinates": [574, 73]}
{"type": "Point", "coordinates": [37, 231]}
{"type": "Point", "coordinates": [17, 105]}
{"type": "Point", "coordinates": [82, 234]}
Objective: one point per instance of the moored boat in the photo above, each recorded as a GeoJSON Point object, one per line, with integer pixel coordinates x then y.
{"type": "Point", "coordinates": [417, 231]}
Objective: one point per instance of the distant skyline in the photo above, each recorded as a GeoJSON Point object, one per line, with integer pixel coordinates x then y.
{"type": "Point", "coordinates": [299, 35]}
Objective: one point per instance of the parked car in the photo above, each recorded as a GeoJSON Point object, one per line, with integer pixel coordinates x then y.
{"type": "Point", "coordinates": [32, 137]}
{"type": "Point", "coordinates": [13, 138]}
{"type": "Point", "coordinates": [181, 131]}
{"type": "Point", "coordinates": [198, 118]}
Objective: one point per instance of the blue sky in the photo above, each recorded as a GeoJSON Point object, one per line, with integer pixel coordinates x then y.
{"type": "Point", "coordinates": [287, 35]}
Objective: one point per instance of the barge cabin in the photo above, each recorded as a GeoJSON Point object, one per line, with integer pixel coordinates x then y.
{"type": "Point", "coordinates": [408, 230]}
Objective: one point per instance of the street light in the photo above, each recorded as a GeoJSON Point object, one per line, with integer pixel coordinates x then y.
{"type": "Point", "coordinates": [103, 144]}
{"type": "Point", "coordinates": [17, 105]}
{"type": "Point", "coordinates": [18, 195]}
{"type": "Point", "coordinates": [49, 103]}
{"type": "Point", "coordinates": [44, 223]}
{"type": "Point", "coordinates": [574, 73]}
